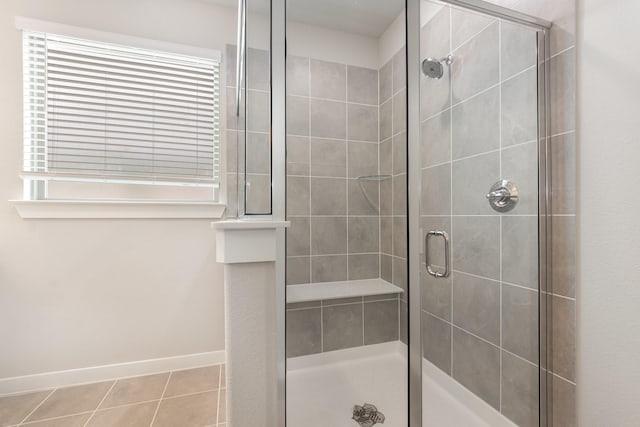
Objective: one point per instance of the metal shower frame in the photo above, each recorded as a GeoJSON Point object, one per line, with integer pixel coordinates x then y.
{"type": "Point", "coordinates": [278, 144]}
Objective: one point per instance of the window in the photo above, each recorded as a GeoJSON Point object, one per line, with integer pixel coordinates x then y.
{"type": "Point", "coordinates": [110, 122]}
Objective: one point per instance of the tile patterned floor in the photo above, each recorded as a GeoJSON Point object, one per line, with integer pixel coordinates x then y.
{"type": "Point", "coordinates": [189, 398]}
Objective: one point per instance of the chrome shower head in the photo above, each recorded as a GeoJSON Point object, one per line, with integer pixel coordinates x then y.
{"type": "Point", "coordinates": [434, 68]}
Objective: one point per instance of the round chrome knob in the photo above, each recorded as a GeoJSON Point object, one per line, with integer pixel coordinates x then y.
{"type": "Point", "coordinates": [503, 196]}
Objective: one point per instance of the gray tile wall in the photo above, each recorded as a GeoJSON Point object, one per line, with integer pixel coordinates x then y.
{"type": "Point", "coordinates": [320, 326]}
{"type": "Point", "coordinates": [480, 325]}
{"type": "Point", "coordinates": [332, 138]}
{"type": "Point", "coordinates": [333, 125]}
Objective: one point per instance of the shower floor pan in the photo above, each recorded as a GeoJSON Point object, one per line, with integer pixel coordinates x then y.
{"type": "Point", "coordinates": [323, 388]}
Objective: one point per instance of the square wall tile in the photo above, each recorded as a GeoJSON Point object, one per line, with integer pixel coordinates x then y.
{"type": "Point", "coordinates": [466, 24]}
{"type": "Point", "coordinates": [304, 332]}
{"type": "Point", "coordinates": [328, 235]}
{"type": "Point", "coordinates": [400, 69]}
{"type": "Point", "coordinates": [328, 157]}
{"type": "Point", "coordinates": [436, 342]}
{"type": "Point", "coordinates": [385, 82]}
{"type": "Point", "coordinates": [435, 139]}
{"type": "Point", "coordinates": [342, 326]}
{"type": "Point", "coordinates": [362, 85]}
{"type": "Point", "coordinates": [362, 122]}
{"type": "Point", "coordinates": [476, 365]}
{"type": "Point", "coordinates": [520, 108]}
{"type": "Point", "coordinates": [331, 268]}
{"type": "Point", "coordinates": [476, 124]}
{"type": "Point", "coordinates": [520, 322]}
{"type": "Point", "coordinates": [364, 234]}
{"type": "Point", "coordinates": [399, 122]}
{"type": "Point", "coordinates": [476, 306]}
{"type": "Point", "coordinates": [297, 195]}
{"type": "Point", "coordinates": [363, 197]}
{"type": "Point", "coordinates": [519, 391]}
{"type": "Point", "coordinates": [298, 270]}
{"type": "Point", "coordinates": [328, 196]}
{"type": "Point", "coordinates": [328, 80]}
{"type": "Point", "coordinates": [363, 159]}
{"type": "Point", "coordinates": [364, 266]}
{"type": "Point", "coordinates": [328, 119]}
{"type": "Point", "coordinates": [520, 166]}
{"type": "Point", "coordinates": [519, 47]}
{"type": "Point", "coordinates": [472, 180]}
{"type": "Point", "coordinates": [381, 322]}
{"type": "Point", "coordinates": [475, 245]}
{"type": "Point", "coordinates": [297, 75]}
{"type": "Point", "coordinates": [520, 250]}
{"type": "Point", "coordinates": [298, 236]}
{"type": "Point", "coordinates": [436, 190]}
{"type": "Point", "coordinates": [297, 115]}
{"type": "Point", "coordinates": [475, 65]}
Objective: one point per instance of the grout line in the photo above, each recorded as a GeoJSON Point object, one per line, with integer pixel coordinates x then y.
{"type": "Point", "coordinates": [54, 418]}
{"type": "Point", "coordinates": [471, 37]}
{"type": "Point", "coordinates": [164, 390]}
{"type": "Point", "coordinates": [38, 406]}
{"type": "Point", "coordinates": [565, 50]}
{"type": "Point", "coordinates": [101, 402]}
{"type": "Point", "coordinates": [220, 392]}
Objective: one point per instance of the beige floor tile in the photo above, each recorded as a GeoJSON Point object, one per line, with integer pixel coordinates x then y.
{"type": "Point", "coordinates": [70, 421]}
{"type": "Point", "coordinates": [193, 381]}
{"type": "Point", "coordinates": [195, 410]}
{"type": "Point", "coordinates": [14, 409]}
{"type": "Point", "coordinates": [136, 390]}
{"type": "Point", "coordinates": [139, 415]}
{"type": "Point", "coordinates": [222, 406]}
{"type": "Point", "coordinates": [72, 400]}
{"type": "Point", "coordinates": [223, 375]}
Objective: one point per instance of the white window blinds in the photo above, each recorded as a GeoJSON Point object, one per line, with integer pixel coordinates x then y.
{"type": "Point", "coordinates": [109, 113]}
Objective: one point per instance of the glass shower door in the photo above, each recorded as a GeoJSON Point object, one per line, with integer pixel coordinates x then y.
{"type": "Point", "coordinates": [479, 219]}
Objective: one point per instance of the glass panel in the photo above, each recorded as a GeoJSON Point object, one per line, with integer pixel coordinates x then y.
{"type": "Point", "coordinates": [257, 85]}
{"type": "Point", "coordinates": [346, 200]}
{"type": "Point", "coordinates": [479, 145]}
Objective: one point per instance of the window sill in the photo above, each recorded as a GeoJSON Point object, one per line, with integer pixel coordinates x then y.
{"type": "Point", "coordinates": [78, 209]}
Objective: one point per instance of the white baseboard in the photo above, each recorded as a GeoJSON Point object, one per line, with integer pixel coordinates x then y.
{"type": "Point", "coordinates": [49, 380]}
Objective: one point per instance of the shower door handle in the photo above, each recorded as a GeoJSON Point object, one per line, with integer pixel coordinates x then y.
{"type": "Point", "coordinates": [427, 261]}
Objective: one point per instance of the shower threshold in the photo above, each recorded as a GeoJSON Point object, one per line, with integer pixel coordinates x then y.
{"type": "Point", "coordinates": [322, 389]}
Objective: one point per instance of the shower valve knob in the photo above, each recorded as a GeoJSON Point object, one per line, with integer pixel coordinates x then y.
{"type": "Point", "coordinates": [503, 196]}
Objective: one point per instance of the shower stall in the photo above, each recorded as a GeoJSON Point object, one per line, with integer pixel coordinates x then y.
{"type": "Point", "coordinates": [406, 143]}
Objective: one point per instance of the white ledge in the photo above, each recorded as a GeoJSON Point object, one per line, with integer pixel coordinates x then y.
{"type": "Point", "coordinates": [80, 209]}
{"type": "Point", "coordinates": [334, 290]}
{"type": "Point", "coordinates": [247, 240]}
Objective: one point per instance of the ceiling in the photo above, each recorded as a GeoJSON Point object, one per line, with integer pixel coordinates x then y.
{"type": "Point", "coordinates": [365, 17]}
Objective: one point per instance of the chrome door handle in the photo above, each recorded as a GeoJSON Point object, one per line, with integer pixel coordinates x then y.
{"type": "Point", "coordinates": [427, 262]}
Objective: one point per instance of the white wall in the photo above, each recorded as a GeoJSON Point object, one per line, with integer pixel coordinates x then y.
{"type": "Point", "coordinates": [85, 293]}
{"type": "Point", "coordinates": [608, 352]}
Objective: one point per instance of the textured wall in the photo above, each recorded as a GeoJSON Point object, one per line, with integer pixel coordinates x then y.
{"type": "Point", "coordinates": [608, 372]}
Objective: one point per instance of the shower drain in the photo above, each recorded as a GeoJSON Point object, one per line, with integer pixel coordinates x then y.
{"type": "Point", "coordinates": [367, 415]}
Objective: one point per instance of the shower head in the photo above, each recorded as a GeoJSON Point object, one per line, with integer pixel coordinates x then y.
{"type": "Point", "coordinates": [434, 68]}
